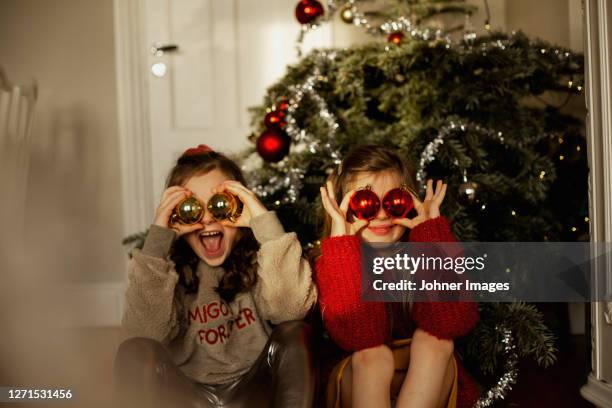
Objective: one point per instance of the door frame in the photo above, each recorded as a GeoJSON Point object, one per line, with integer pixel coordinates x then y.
{"type": "Point", "coordinates": [598, 72]}
{"type": "Point", "coordinates": [133, 113]}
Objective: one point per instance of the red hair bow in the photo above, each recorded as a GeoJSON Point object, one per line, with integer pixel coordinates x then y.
{"type": "Point", "coordinates": [197, 150]}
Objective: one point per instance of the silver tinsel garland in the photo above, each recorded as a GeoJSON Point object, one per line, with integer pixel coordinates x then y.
{"type": "Point", "coordinates": [429, 153]}
{"type": "Point", "coordinates": [404, 25]}
{"type": "Point", "coordinates": [292, 177]}
{"type": "Point", "coordinates": [401, 23]}
{"type": "Point", "coordinates": [505, 382]}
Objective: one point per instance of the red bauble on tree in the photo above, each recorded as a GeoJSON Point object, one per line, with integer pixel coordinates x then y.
{"type": "Point", "coordinates": [396, 37]}
{"type": "Point", "coordinates": [273, 145]}
{"type": "Point", "coordinates": [283, 105]}
{"type": "Point", "coordinates": [275, 119]}
{"type": "Point", "coordinates": [397, 203]}
{"type": "Point", "coordinates": [364, 204]}
{"type": "Point", "coordinates": [308, 10]}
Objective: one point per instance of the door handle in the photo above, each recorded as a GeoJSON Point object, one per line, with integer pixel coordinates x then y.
{"type": "Point", "coordinates": [159, 49]}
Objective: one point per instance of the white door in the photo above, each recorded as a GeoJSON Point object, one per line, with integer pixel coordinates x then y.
{"type": "Point", "coordinates": [220, 57]}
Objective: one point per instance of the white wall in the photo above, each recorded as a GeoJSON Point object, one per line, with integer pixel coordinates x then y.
{"type": "Point", "coordinates": [67, 46]}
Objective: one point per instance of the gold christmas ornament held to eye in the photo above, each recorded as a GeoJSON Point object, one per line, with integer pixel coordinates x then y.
{"type": "Point", "coordinates": [188, 211]}
{"type": "Point", "coordinates": [222, 206]}
{"type": "Point", "coordinates": [225, 206]}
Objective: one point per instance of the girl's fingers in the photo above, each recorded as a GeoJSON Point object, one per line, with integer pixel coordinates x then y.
{"type": "Point", "coordinates": [331, 190]}
{"type": "Point", "coordinates": [171, 190]}
{"type": "Point", "coordinates": [237, 190]}
{"type": "Point", "coordinates": [186, 229]}
{"type": "Point", "coordinates": [245, 195]}
{"type": "Point", "coordinates": [238, 185]}
{"type": "Point", "coordinates": [238, 223]}
{"type": "Point", "coordinates": [359, 224]}
{"type": "Point", "coordinates": [346, 200]}
{"type": "Point", "coordinates": [415, 198]}
{"type": "Point", "coordinates": [438, 189]}
{"type": "Point", "coordinates": [330, 207]}
{"type": "Point", "coordinates": [429, 190]}
{"type": "Point", "coordinates": [327, 205]}
{"type": "Point", "coordinates": [173, 200]}
{"type": "Point", "coordinates": [440, 194]}
{"type": "Point", "coordinates": [404, 222]}
{"type": "Point", "coordinates": [170, 196]}
{"type": "Point", "coordinates": [418, 205]}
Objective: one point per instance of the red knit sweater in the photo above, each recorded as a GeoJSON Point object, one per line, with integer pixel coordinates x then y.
{"type": "Point", "coordinates": [356, 325]}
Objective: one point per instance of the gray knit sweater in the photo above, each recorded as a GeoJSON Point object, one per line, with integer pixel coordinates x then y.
{"type": "Point", "coordinates": [212, 341]}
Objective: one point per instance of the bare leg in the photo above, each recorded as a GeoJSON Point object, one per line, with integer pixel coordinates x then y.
{"type": "Point", "coordinates": [371, 373]}
{"type": "Point", "coordinates": [406, 395]}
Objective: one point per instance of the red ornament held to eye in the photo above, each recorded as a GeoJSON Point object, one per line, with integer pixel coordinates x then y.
{"type": "Point", "coordinates": [397, 203]}
{"type": "Point", "coordinates": [365, 204]}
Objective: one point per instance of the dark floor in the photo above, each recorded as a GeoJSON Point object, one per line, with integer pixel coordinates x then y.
{"type": "Point", "coordinates": [557, 386]}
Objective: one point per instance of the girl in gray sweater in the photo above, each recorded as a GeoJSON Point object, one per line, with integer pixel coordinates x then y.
{"type": "Point", "coordinates": [213, 308]}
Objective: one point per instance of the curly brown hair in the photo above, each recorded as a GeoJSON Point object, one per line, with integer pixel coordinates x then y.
{"type": "Point", "coordinates": [241, 265]}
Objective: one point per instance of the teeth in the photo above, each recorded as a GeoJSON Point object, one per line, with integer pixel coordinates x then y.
{"type": "Point", "coordinates": [210, 233]}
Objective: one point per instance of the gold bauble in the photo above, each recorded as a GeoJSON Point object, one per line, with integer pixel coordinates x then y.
{"type": "Point", "coordinates": [468, 191]}
{"type": "Point", "coordinates": [347, 15]}
{"type": "Point", "coordinates": [225, 206]}
{"type": "Point", "coordinates": [188, 211]}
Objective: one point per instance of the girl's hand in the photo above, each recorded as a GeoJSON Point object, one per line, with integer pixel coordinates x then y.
{"type": "Point", "coordinates": [170, 198]}
{"type": "Point", "coordinates": [251, 208]}
{"type": "Point", "coordinates": [340, 226]}
{"type": "Point", "coordinates": [429, 208]}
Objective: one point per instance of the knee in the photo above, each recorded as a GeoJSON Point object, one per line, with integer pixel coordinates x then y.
{"type": "Point", "coordinates": [376, 361]}
{"type": "Point", "coordinates": [290, 343]}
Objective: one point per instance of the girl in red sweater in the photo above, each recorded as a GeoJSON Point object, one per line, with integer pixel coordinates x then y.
{"type": "Point", "coordinates": [386, 338]}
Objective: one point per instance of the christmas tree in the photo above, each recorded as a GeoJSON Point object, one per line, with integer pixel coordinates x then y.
{"type": "Point", "coordinates": [484, 113]}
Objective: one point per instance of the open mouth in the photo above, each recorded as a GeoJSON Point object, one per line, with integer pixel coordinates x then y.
{"type": "Point", "coordinates": [212, 242]}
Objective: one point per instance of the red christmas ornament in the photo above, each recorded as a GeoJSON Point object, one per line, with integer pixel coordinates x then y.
{"type": "Point", "coordinates": [307, 11]}
{"type": "Point", "coordinates": [364, 204]}
{"type": "Point", "coordinates": [273, 145]}
{"type": "Point", "coordinates": [397, 203]}
{"type": "Point", "coordinates": [275, 120]}
{"type": "Point", "coordinates": [395, 37]}
{"type": "Point", "coordinates": [283, 105]}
